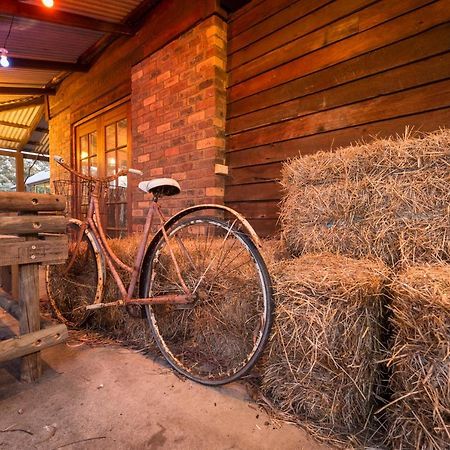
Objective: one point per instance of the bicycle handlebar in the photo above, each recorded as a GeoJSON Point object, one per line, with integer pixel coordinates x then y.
{"type": "Point", "coordinates": [120, 173]}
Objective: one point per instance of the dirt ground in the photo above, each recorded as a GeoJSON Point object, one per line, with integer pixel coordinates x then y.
{"type": "Point", "coordinates": [110, 397]}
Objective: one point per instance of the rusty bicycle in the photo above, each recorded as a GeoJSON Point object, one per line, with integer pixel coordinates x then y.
{"type": "Point", "coordinates": [201, 281]}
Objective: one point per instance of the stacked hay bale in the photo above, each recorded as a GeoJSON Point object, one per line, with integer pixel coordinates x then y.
{"type": "Point", "coordinates": [321, 361]}
{"type": "Point", "coordinates": [387, 199]}
{"type": "Point", "coordinates": [420, 359]}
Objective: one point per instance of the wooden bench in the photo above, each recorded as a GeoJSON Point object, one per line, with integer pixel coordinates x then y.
{"type": "Point", "coordinates": [30, 234]}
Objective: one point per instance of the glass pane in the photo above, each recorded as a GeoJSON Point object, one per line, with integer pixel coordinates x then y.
{"type": "Point", "coordinates": [85, 167]}
{"type": "Point", "coordinates": [122, 159]}
{"type": "Point", "coordinates": [110, 136]}
{"type": "Point", "coordinates": [122, 133]}
{"type": "Point", "coordinates": [111, 163]}
{"type": "Point", "coordinates": [122, 181]}
{"type": "Point", "coordinates": [84, 149]}
{"type": "Point", "coordinates": [93, 143]}
{"type": "Point", "coordinates": [93, 164]}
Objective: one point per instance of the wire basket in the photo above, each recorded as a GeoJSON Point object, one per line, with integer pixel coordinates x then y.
{"type": "Point", "coordinates": [78, 195]}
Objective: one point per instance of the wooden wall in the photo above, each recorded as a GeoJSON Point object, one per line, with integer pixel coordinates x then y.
{"type": "Point", "coordinates": [316, 74]}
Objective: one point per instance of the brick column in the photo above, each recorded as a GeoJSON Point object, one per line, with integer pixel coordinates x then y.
{"type": "Point", "coordinates": [178, 104]}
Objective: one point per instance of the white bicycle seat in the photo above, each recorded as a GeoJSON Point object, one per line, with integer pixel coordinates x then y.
{"type": "Point", "coordinates": [160, 186]}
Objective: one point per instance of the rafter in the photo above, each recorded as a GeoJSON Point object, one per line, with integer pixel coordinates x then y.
{"type": "Point", "coordinates": [21, 104]}
{"type": "Point", "coordinates": [13, 125]}
{"type": "Point", "coordinates": [7, 139]}
{"type": "Point", "coordinates": [17, 90]}
{"type": "Point", "coordinates": [42, 64]}
{"type": "Point", "coordinates": [26, 155]}
{"type": "Point", "coordinates": [34, 12]}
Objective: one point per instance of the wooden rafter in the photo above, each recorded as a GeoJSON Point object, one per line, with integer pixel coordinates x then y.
{"type": "Point", "coordinates": [13, 90]}
{"type": "Point", "coordinates": [43, 64]}
{"type": "Point", "coordinates": [26, 155]}
{"type": "Point", "coordinates": [34, 12]}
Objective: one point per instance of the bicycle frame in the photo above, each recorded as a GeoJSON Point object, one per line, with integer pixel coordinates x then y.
{"type": "Point", "coordinates": [111, 259]}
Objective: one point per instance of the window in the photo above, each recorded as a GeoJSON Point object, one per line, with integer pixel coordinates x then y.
{"type": "Point", "coordinates": [102, 150]}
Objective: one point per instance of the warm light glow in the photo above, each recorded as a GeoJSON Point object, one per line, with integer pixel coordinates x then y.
{"type": "Point", "coordinates": [48, 3]}
{"type": "Point", "coordinates": [4, 61]}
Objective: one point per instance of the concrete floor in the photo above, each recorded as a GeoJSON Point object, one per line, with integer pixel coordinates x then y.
{"type": "Point", "coordinates": [109, 397]}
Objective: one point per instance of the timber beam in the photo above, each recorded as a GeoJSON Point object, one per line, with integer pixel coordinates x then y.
{"type": "Point", "coordinates": [17, 90]}
{"type": "Point", "coordinates": [42, 64]}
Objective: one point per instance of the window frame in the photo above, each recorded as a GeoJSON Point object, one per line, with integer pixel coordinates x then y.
{"type": "Point", "coordinates": [98, 123]}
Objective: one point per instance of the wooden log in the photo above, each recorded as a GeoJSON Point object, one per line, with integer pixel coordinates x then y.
{"type": "Point", "coordinates": [48, 249]}
{"type": "Point", "coordinates": [30, 317]}
{"type": "Point", "coordinates": [29, 344]}
{"type": "Point", "coordinates": [31, 202]}
{"type": "Point", "coordinates": [32, 224]}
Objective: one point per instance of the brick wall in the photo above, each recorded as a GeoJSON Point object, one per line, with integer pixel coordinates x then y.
{"type": "Point", "coordinates": [60, 143]}
{"type": "Point", "coordinates": [178, 108]}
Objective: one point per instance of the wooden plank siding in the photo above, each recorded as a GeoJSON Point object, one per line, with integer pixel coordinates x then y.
{"type": "Point", "coordinates": [313, 75]}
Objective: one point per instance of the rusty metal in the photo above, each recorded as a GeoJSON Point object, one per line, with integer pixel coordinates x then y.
{"type": "Point", "coordinates": [172, 255]}
{"type": "Point", "coordinates": [162, 300]}
{"type": "Point", "coordinates": [113, 270]}
{"type": "Point", "coordinates": [141, 250]}
{"type": "Point", "coordinates": [99, 230]}
{"type": "Point", "coordinates": [207, 206]}
{"type": "Point", "coordinates": [96, 231]}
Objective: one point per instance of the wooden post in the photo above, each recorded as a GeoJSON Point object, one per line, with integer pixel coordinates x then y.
{"type": "Point", "coordinates": [30, 318]}
{"type": "Point", "coordinates": [28, 244]}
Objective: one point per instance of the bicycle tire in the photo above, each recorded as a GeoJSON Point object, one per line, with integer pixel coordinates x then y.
{"type": "Point", "coordinates": [70, 292]}
{"type": "Point", "coordinates": [190, 339]}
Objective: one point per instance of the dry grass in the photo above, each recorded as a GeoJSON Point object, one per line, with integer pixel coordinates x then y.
{"type": "Point", "coordinates": [388, 199]}
{"type": "Point", "coordinates": [419, 414]}
{"type": "Point", "coordinates": [321, 363]}
{"type": "Point", "coordinates": [117, 322]}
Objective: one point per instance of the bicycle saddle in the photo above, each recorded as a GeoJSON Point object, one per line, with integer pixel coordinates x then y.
{"type": "Point", "coordinates": [161, 186]}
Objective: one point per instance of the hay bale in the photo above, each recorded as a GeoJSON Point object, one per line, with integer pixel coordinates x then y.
{"type": "Point", "coordinates": [420, 359]}
{"type": "Point", "coordinates": [372, 200]}
{"type": "Point", "coordinates": [321, 362]}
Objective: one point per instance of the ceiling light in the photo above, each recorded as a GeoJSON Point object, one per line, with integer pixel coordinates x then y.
{"type": "Point", "coordinates": [48, 3]}
{"type": "Point", "coordinates": [4, 61]}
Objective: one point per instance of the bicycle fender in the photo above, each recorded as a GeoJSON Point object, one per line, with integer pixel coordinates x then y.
{"type": "Point", "coordinates": [185, 212]}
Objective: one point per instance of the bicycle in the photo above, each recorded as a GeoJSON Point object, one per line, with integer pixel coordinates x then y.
{"type": "Point", "coordinates": [203, 283]}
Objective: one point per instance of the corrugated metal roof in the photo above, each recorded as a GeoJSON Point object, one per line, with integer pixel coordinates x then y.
{"type": "Point", "coordinates": [109, 10]}
{"type": "Point", "coordinates": [25, 77]}
{"type": "Point", "coordinates": [48, 41]}
{"type": "Point", "coordinates": [10, 135]}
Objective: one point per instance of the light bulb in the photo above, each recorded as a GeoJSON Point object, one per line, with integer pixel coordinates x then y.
{"type": "Point", "coordinates": [48, 3]}
{"type": "Point", "coordinates": [4, 62]}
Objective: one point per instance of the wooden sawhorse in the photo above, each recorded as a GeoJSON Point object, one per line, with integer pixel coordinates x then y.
{"type": "Point", "coordinates": [30, 234]}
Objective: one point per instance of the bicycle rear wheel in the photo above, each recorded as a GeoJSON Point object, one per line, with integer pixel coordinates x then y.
{"type": "Point", "coordinates": [218, 338]}
{"type": "Point", "coordinates": [71, 289]}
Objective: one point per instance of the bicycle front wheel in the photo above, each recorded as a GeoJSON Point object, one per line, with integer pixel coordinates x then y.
{"type": "Point", "coordinates": [218, 337]}
{"type": "Point", "coordinates": [79, 282]}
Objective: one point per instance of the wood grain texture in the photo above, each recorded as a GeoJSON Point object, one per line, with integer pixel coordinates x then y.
{"type": "Point", "coordinates": [32, 224]}
{"type": "Point", "coordinates": [31, 202]}
{"type": "Point", "coordinates": [31, 343]}
{"type": "Point", "coordinates": [406, 51]}
{"type": "Point", "coordinates": [308, 76]}
{"type": "Point", "coordinates": [48, 249]}
{"type": "Point", "coordinates": [30, 320]}
{"type": "Point", "coordinates": [376, 37]}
